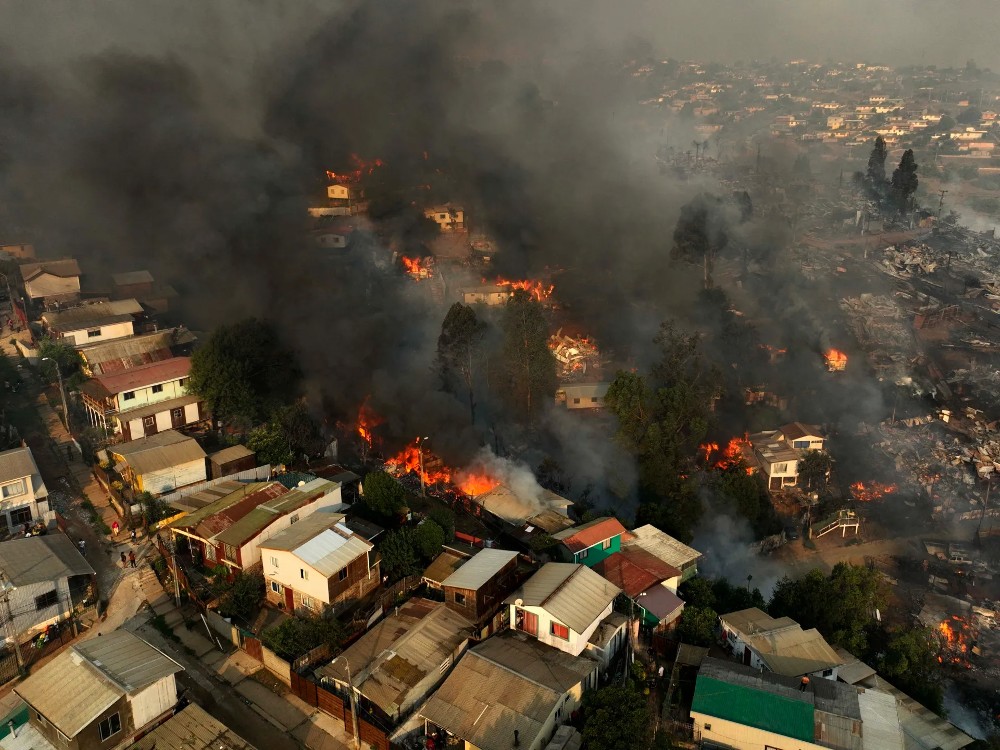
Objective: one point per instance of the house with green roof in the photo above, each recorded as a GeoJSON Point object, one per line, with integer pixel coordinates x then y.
{"type": "Point", "coordinates": [736, 706]}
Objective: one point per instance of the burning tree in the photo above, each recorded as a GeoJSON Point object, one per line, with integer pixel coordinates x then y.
{"type": "Point", "coordinates": [368, 420]}
{"type": "Point", "coordinates": [529, 366]}
{"type": "Point", "coordinates": [360, 168]}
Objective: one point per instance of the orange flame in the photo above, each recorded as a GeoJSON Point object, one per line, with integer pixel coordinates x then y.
{"type": "Point", "coordinates": [708, 449]}
{"type": "Point", "coordinates": [957, 635]}
{"type": "Point", "coordinates": [361, 168]}
{"type": "Point", "coordinates": [474, 484]}
{"type": "Point", "coordinates": [836, 360]}
{"type": "Point", "coordinates": [536, 289]}
{"type": "Point", "coordinates": [417, 268]}
{"type": "Point", "coordinates": [866, 493]}
{"type": "Point", "coordinates": [731, 456]}
{"type": "Point", "coordinates": [368, 420]}
{"type": "Point", "coordinates": [408, 461]}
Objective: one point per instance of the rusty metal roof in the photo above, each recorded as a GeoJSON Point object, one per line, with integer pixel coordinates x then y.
{"type": "Point", "coordinates": [634, 570]}
{"type": "Point", "coordinates": [596, 531]}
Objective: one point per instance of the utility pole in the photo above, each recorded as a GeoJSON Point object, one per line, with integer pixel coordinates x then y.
{"type": "Point", "coordinates": [986, 502]}
{"type": "Point", "coordinates": [942, 194]}
{"type": "Point", "coordinates": [420, 455]}
{"type": "Point", "coordinates": [354, 706]}
{"type": "Point", "coordinates": [62, 394]}
{"type": "Point", "coordinates": [7, 587]}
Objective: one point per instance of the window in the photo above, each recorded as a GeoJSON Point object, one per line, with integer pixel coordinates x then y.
{"type": "Point", "coordinates": [148, 422]}
{"type": "Point", "coordinates": [303, 574]}
{"type": "Point", "coordinates": [576, 400]}
{"type": "Point", "coordinates": [708, 727]}
{"type": "Point", "coordinates": [20, 516]}
{"type": "Point", "coordinates": [177, 415]}
{"type": "Point", "coordinates": [274, 562]}
{"type": "Point", "coordinates": [801, 445]}
{"type": "Point", "coordinates": [342, 575]}
{"type": "Point", "coordinates": [460, 599]}
{"type": "Point", "coordinates": [582, 554]}
{"type": "Point", "coordinates": [606, 544]}
{"type": "Point", "coordinates": [110, 726]}
{"type": "Point", "coordinates": [93, 333]}
{"type": "Point", "coordinates": [559, 631]}
{"type": "Point", "coordinates": [128, 395]}
{"type": "Point", "coordinates": [275, 587]}
{"type": "Point", "coordinates": [307, 602]}
{"type": "Point", "coordinates": [780, 468]}
{"type": "Point", "coordinates": [594, 399]}
{"type": "Point", "coordinates": [13, 489]}
{"type": "Point", "coordinates": [526, 622]}
{"type": "Point", "coordinates": [157, 388]}
{"type": "Point", "coordinates": [210, 552]}
{"type": "Point", "coordinates": [46, 600]}
{"type": "Point", "coordinates": [182, 382]}
{"type": "Point", "coordinates": [230, 552]}
{"type": "Point", "coordinates": [827, 672]}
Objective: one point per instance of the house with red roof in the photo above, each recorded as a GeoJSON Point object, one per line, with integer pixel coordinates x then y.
{"type": "Point", "coordinates": [591, 542]}
{"type": "Point", "coordinates": [648, 581]}
{"type": "Point", "coordinates": [141, 401]}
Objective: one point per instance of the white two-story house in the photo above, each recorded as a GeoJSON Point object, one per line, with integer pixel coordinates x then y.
{"type": "Point", "coordinates": [142, 401]}
{"type": "Point", "coordinates": [564, 605]}
{"type": "Point", "coordinates": [93, 322]}
{"type": "Point", "coordinates": [23, 496]}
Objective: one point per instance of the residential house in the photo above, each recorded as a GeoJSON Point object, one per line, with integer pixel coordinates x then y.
{"type": "Point", "coordinates": [665, 548]}
{"type": "Point", "coordinates": [738, 707]}
{"type": "Point", "coordinates": [447, 217]}
{"type": "Point", "coordinates": [487, 294]}
{"type": "Point", "coordinates": [510, 691]}
{"type": "Point", "coordinates": [50, 282]}
{"type": "Point", "coordinates": [518, 509]}
{"type": "Point", "coordinates": [231, 460]}
{"type": "Point", "coordinates": [452, 557]}
{"type": "Point", "coordinates": [192, 728]}
{"type": "Point", "coordinates": [317, 563]}
{"type": "Point", "coordinates": [92, 322]}
{"type": "Point", "coordinates": [401, 660]}
{"type": "Point", "coordinates": [478, 588]}
{"type": "Point", "coordinates": [333, 233]}
{"type": "Point", "coordinates": [23, 251]}
{"type": "Point", "coordinates": [142, 401]}
{"type": "Point", "coordinates": [107, 358]}
{"type": "Point", "coordinates": [591, 542]}
{"type": "Point", "coordinates": [778, 461]}
{"type": "Point", "coordinates": [101, 693]}
{"type": "Point", "coordinates": [582, 395]}
{"type": "Point", "coordinates": [648, 582]}
{"type": "Point", "coordinates": [562, 605]}
{"type": "Point", "coordinates": [803, 437]}
{"type": "Point", "coordinates": [141, 286]}
{"type": "Point", "coordinates": [23, 496]}
{"type": "Point", "coordinates": [160, 463]}
{"type": "Point", "coordinates": [778, 645]}
{"type": "Point", "coordinates": [48, 577]}
{"type": "Point", "coordinates": [922, 728]}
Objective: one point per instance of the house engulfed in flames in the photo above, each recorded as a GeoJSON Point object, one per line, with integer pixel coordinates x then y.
{"type": "Point", "coordinates": [574, 355]}
{"type": "Point", "coordinates": [836, 361]}
{"type": "Point", "coordinates": [958, 638]}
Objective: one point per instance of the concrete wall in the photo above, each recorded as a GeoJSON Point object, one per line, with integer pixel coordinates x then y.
{"type": "Point", "coordinates": [166, 480]}
{"type": "Point", "coordinates": [577, 642]}
{"type": "Point", "coordinates": [739, 737]}
{"type": "Point", "coordinates": [107, 332]}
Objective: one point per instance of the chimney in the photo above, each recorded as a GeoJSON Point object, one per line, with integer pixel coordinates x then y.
{"type": "Point", "coordinates": [517, 742]}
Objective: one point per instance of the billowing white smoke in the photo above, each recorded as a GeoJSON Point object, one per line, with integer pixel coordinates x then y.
{"type": "Point", "coordinates": [517, 476]}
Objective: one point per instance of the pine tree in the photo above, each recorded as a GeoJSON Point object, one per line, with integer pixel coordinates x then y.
{"type": "Point", "coordinates": [904, 181]}
{"type": "Point", "coordinates": [876, 168]}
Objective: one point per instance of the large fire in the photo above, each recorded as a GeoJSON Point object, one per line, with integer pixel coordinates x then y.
{"type": "Point", "coordinates": [536, 289]}
{"type": "Point", "coordinates": [360, 169]}
{"type": "Point", "coordinates": [732, 455]}
{"type": "Point", "coordinates": [418, 268]}
{"type": "Point", "coordinates": [836, 361]}
{"type": "Point", "coordinates": [475, 484]}
{"type": "Point", "coordinates": [866, 493]}
{"type": "Point", "coordinates": [472, 482]}
{"type": "Point", "coordinates": [957, 638]}
{"type": "Point", "coordinates": [368, 420]}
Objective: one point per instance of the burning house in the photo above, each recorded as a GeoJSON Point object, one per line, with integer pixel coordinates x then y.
{"type": "Point", "coordinates": [575, 355]}
{"type": "Point", "coordinates": [836, 360]}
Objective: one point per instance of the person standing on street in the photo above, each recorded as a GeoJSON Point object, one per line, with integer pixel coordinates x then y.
{"type": "Point", "coordinates": [83, 547]}
{"type": "Point", "coordinates": [131, 558]}
{"type": "Point", "coordinates": [114, 528]}
{"type": "Point", "coordinates": [124, 561]}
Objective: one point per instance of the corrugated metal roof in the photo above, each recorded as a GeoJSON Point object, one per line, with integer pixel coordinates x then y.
{"type": "Point", "coordinates": [79, 684]}
{"type": "Point", "coordinates": [398, 653]}
{"type": "Point", "coordinates": [573, 594]}
{"type": "Point", "coordinates": [204, 502]}
{"type": "Point", "coordinates": [144, 375]}
{"type": "Point", "coordinates": [132, 277]}
{"type": "Point", "coordinates": [192, 729]}
{"type": "Point", "coordinates": [779, 714]}
{"type": "Point", "coordinates": [332, 550]}
{"type": "Point", "coordinates": [17, 464]}
{"type": "Point", "coordinates": [589, 534]}
{"type": "Point", "coordinates": [92, 314]}
{"type": "Point", "coordinates": [135, 350]}
{"type": "Point", "coordinates": [665, 605]}
{"type": "Point", "coordinates": [664, 546]}
{"type": "Point", "coordinates": [481, 568]}
{"type": "Point", "coordinates": [302, 531]}
{"type": "Point", "coordinates": [213, 526]}
{"type": "Point", "coordinates": [160, 451]}
{"type": "Point", "coordinates": [63, 268]}
{"type": "Point", "coordinates": [923, 729]}
{"type": "Point", "coordinates": [751, 621]}
{"type": "Point", "coordinates": [41, 558]}
{"type": "Point", "coordinates": [443, 566]}
{"type": "Point", "coordinates": [247, 526]}
{"type": "Point", "coordinates": [784, 646]}
{"type": "Point", "coordinates": [797, 430]}
{"type": "Point", "coordinates": [634, 570]}
{"type": "Point", "coordinates": [503, 685]}
{"type": "Point", "coordinates": [232, 453]}
{"type": "Point", "coordinates": [880, 721]}
{"type": "Point", "coordinates": [504, 503]}
{"type": "Point", "coordinates": [852, 670]}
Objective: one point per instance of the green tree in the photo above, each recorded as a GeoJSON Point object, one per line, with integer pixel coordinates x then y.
{"type": "Point", "coordinates": [383, 494]}
{"type": "Point", "coordinates": [904, 181]}
{"type": "Point", "coordinates": [245, 373]}
{"type": "Point", "coordinates": [270, 444]}
{"type": "Point", "coordinates": [399, 554]}
{"type": "Point", "coordinates": [909, 661]}
{"type": "Point", "coordinates": [530, 368]}
{"type": "Point", "coordinates": [615, 718]}
{"type": "Point", "coordinates": [445, 518]}
{"type": "Point", "coordinates": [459, 352]}
{"type": "Point", "coordinates": [969, 116]}
{"type": "Point", "coordinates": [697, 626]}
{"type": "Point", "coordinates": [747, 493]}
{"type": "Point", "coordinates": [427, 539]}
{"type": "Point", "coordinates": [153, 508]}
{"type": "Point", "coordinates": [241, 597]}
{"type": "Point", "coordinates": [662, 418]}
{"type": "Point", "coordinates": [814, 470]}
{"type": "Point", "coordinates": [300, 428]}
{"type": "Point", "coordinates": [875, 175]}
{"type": "Point", "coordinates": [296, 636]}
{"type": "Point", "coordinates": [697, 592]}
{"type": "Point", "coordinates": [60, 352]}
{"type": "Point", "coordinates": [700, 234]}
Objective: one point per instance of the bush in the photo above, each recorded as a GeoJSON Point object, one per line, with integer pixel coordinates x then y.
{"type": "Point", "coordinates": [383, 494]}
{"type": "Point", "coordinates": [427, 539]}
{"type": "Point", "coordinates": [445, 518]}
{"type": "Point", "coordinates": [241, 598]}
{"type": "Point", "coordinates": [296, 636]}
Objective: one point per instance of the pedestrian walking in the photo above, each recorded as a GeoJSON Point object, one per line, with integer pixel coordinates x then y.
{"type": "Point", "coordinates": [114, 528]}
{"type": "Point", "coordinates": [131, 559]}
{"type": "Point", "coordinates": [83, 547]}
{"type": "Point", "coordinates": [133, 536]}
{"type": "Point", "coordinates": [660, 672]}
{"type": "Point", "coordinates": [124, 561]}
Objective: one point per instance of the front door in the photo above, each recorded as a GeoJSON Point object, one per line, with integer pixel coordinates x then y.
{"type": "Point", "coordinates": [746, 655]}
{"type": "Point", "coordinates": [289, 599]}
